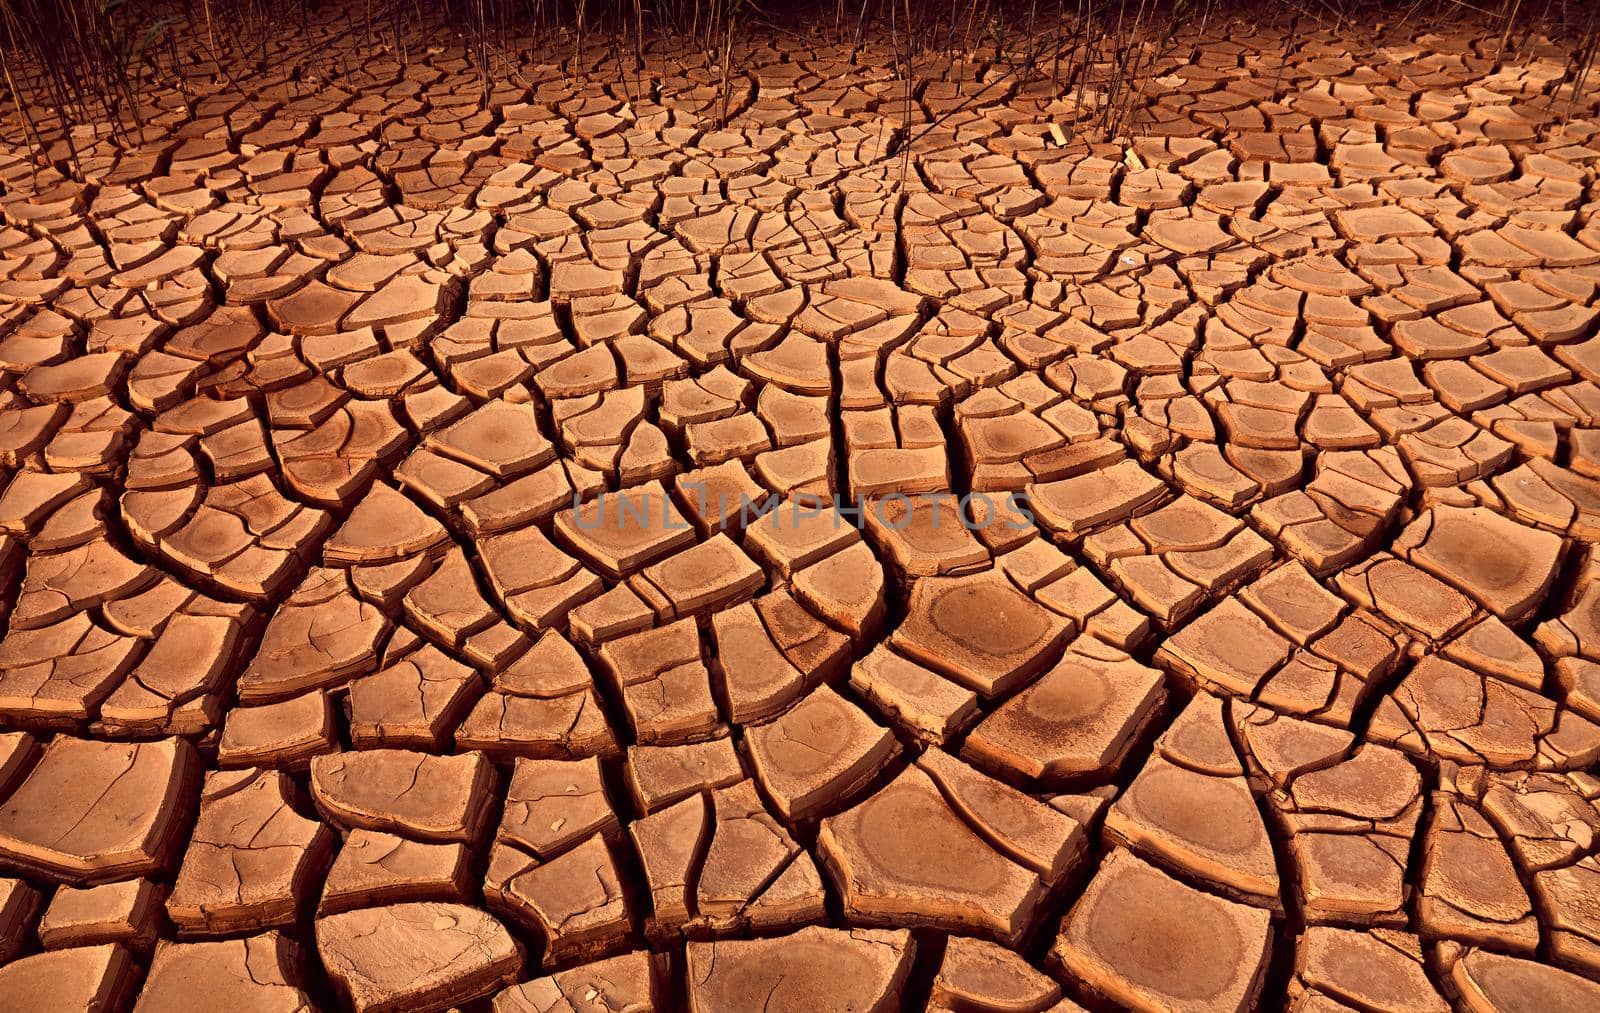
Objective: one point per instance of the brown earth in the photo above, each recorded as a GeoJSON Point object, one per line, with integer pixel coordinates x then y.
{"type": "Point", "coordinates": [1278, 683]}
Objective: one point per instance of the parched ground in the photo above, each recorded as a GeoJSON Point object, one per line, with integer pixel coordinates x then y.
{"type": "Point", "coordinates": [1266, 670]}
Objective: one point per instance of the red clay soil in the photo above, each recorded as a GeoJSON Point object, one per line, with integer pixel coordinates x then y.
{"type": "Point", "coordinates": [1223, 631]}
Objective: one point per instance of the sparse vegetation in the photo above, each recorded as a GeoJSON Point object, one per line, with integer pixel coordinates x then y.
{"type": "Point", "coordinates": [90, 62]}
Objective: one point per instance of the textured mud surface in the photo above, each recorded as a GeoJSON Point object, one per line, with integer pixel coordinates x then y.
{"type": "Point", "coordinates": [318, 688]}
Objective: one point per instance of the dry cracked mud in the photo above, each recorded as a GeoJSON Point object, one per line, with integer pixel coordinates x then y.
{"type": "Point", "coordinates": [1223, 631]}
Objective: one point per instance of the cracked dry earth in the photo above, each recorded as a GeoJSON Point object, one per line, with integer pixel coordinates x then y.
{"type": "Point", "coordinates": [320, 691]}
